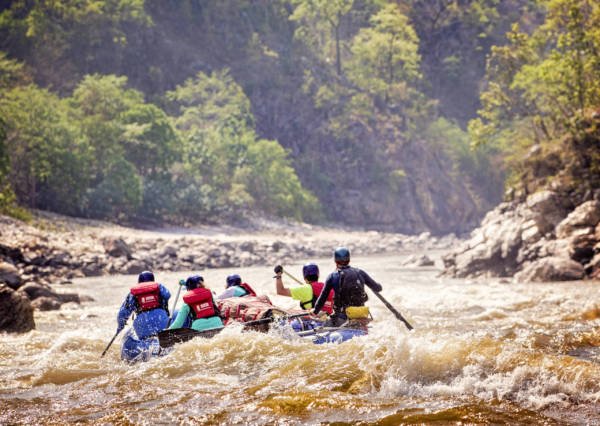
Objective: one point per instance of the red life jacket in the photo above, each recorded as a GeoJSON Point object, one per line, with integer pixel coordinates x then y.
{"type": "Point", "coordinates": [201, 302]}
{"type": "Point", "coordinates": [249, 289]}
{"type": "Point", "coordinates": [147, 296]}
{"type": "Point", "coordinates": [317, 288]}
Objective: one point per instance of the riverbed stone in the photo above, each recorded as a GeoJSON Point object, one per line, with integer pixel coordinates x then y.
{"type": "Point", "coordinates": [46, 304]}
{"type": "Point", "coordinates": [16, 312]}
{"type": "Point", "coordinates": [116, 247]}
{"type": "Point", "coordinates": [92, 269]}
{"type": "Point", "coordinates": [551, 269]}
{"type": "Point", "coordinates": [135, 266]}
{"type": "Point", "coordinates": [35, 290]}
{"type": "Point", "coordinates": [9, 275]}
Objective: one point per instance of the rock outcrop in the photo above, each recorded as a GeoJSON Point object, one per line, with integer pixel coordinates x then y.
{"type": "Point", "coordinates": [545, 238]}
{"type": "Point", "coordinates": [16, 312]}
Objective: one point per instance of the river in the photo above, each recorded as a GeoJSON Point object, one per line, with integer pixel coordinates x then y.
{"type": "Point", "coordinates": [481, 352]}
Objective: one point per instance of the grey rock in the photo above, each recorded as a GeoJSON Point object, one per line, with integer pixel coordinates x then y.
{"type": "Point", "coordinates": [585, 215]}
{"type": "Point", "coordinates": [9, 275]}
{"type": "Point", "coordinates": [169, 251]}
{"type": "Point", "coordinates": [548, 208]}
{"type": "Point", "coordinates": [116, 247]}
{"type": "Point", "coordinates": [46, 304]}
{"type": "Point", "coordinates": [16, 312]}
{"type": "Point", "coordinates": [135, 266]}
{"type": "Point", "coordinates": [551, 269]}
{"type": "Point", "coordinates": [247, 246]}
{"type": "Point", "coordinates": [92, 269]}
{"type": "Point", "coordinates": [35, 291]}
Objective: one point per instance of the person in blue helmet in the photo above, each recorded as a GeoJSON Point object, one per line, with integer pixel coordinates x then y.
{"type": "Point", "coordinates": [234, 287]}
{"type": "Point", "coordinates": [198, 307]}
{"type": "Point", "coordinates": [306, 293]}
{"type": "Point", "coordinates": [348, 285]}
{"type": "Point", "coordinates": [150, 301]}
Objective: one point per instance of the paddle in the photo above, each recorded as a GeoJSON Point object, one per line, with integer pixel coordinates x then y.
{"type": "Point", "coordinates": [181, 284]}
{"type": "Point", "coordinates": [385, 302]}
{"type": "Point", "coordinates": [397, 314]}
{"type": "Point", "coordinates": [292, 277]}
{"type": "Point", "coordinates": [110, 343]}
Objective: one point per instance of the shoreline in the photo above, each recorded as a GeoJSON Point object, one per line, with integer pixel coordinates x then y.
{"type": "Point", "coordinates": [39, 260]}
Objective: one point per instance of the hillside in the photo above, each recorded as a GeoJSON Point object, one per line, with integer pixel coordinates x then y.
{"type": "Point", "coordinates": [283, 108]}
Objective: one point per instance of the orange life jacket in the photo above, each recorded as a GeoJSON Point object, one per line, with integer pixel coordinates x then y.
{"type": "Point", "coordinates": [147, 296]}
{"type": "Point", "coordinates": [201, 302]}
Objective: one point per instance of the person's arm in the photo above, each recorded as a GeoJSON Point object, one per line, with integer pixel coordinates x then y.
{"type": "Point", "coordinates": [230, 292]}
{"type": "Point", "coordinates": [164, 292]}
{"type": "Point", "coordinates": [373, 285]}
{"type": "Point", "coordinates": [125, 312]}
{"type": "Point", "coordinates": [280, 288]}
{"type": "Point", "coordinates": [165, 295]}
{"type": "Point", "coordinates": [181, 317]}
{"type": "Point", "coordinates": [329, 284]}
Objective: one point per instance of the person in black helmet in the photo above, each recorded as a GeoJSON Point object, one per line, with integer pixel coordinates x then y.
{"type": "Point", "coordinates": [149, 300]}
{"type": "Point", "coordinates": [307, 293]}
{"type": "Point", "coordinates": [234, 287]}
{"type": "Point", "coordinates": [348, 284]}
{"type": "Point", "coordinates": [199, 307]}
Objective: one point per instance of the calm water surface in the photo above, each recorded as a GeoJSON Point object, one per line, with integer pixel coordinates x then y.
{"type": "Point", "coordinates": [481, 353]}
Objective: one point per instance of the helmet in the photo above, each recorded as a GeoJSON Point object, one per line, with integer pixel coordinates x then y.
{"type": "Point", "coordinates": [234, 279]}
{"type": "Point", "coordinates": [341, 254]}
{"type": "Point", "coordinates": [310, 269]}
{"type": "Point", "coordinates": [146, 277]}
{"type": "Point", "coordinates": [193, 282]}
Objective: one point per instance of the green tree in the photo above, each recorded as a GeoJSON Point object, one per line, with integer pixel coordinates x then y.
{"type": "Point", "coordinates": [385, 60]}
{"type": "Point", "coordinates": [120, 193]}
{"type": "Point", "coordinates": [149, 139]}
{"type": "Point", "coordinates": [70, 37]}
{"type": "Point", "coordinates": [47, 153]}
{"type": "Point", "coordinates": [320, 26]}
{"type": "Point", "coordinates": [273, 184]}
{"type": "Point", "coordinates": [124, 131]}
{"type": "Point", "coordinates": [225, 158]}
{"type": "Point", "coordinates": [540, 85]}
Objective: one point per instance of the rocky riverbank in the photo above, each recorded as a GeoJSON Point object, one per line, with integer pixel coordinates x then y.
{"type": "Point", "coordinates": [547, 237]}
{"type": "Point", "coordinates": [39, 260]}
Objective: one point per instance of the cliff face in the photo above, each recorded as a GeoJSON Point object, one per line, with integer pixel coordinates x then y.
{"type": "Point", "coordinates": [427, 197]}
{"type": "Point", "coordinates": [550, 231]}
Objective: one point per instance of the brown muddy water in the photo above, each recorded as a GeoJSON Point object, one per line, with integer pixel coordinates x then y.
{"type": "Point", "coordinates": [481, 353]}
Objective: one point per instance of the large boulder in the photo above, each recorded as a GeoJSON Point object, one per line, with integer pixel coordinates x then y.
{"type": "Point", "coordinates": [16, 312]}
{"type": "Point", "coordinates": [46, 304]}
{"type": "Point", "coordinates": [9, 275]}
{"type": "Point", "coordinates": [551, 269]}
{"type": "Point", "coordinates": [548, 208]}
{"type": "Point", "coordinates": [586, 215]}
{"type": "Point", "coordinates": [34, 291]}
{"type": "Point", "coordinates": [116, 247]}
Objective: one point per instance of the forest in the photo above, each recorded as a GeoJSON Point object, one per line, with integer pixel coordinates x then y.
{"type": "Point", "coordinates": [409, 116]}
